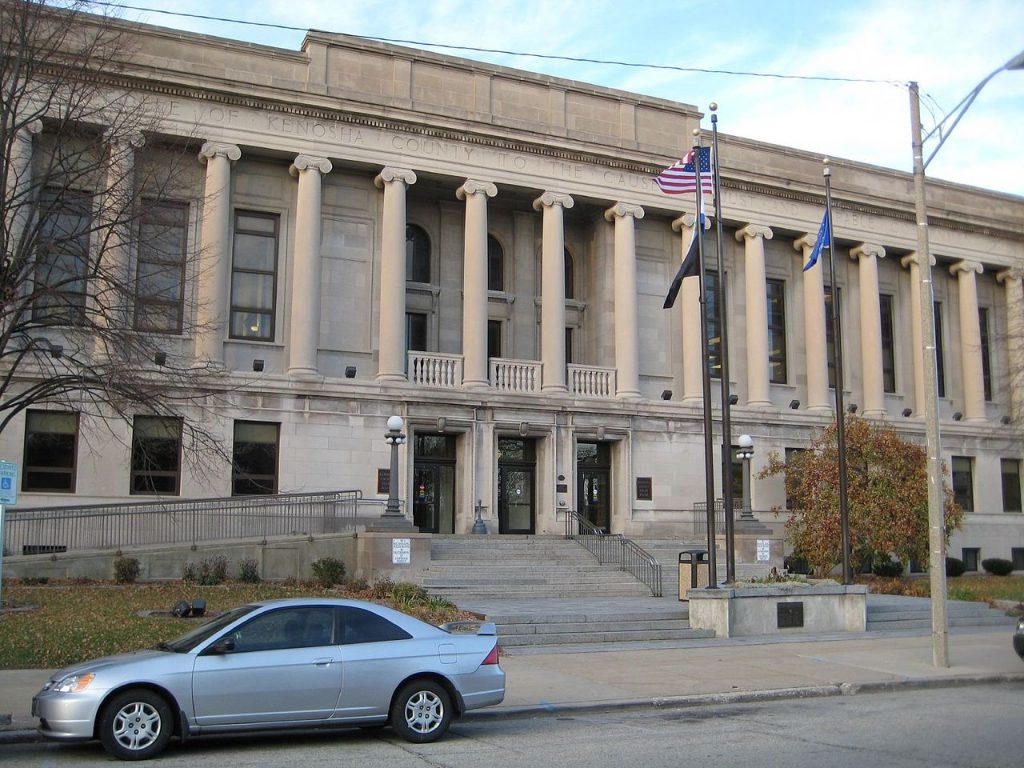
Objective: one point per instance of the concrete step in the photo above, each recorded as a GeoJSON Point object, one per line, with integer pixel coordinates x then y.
{"type": "Point", "coordinates": [586, 627]}
{"type": "Point", "coordinates": [619, 636]}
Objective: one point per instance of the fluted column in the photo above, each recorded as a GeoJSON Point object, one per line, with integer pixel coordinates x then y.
{"type": "Point", "coordinates": [552, 317]}
{"type": "Point", "coordinates": [214, 266]}
{"type": "Point", "coordinates": [304, 328]}
{"type": "Point", "coordinates": [689, 294]}
{"type": "Point", "coordinates": [18, 211]}
{"type": "Point", "coordinates": [815, 346]}
{"type": "Point", "coordinates": [916, 332]}
{"type": "Point", "coordinates": [867, 256]}
{"type": "Point", "coordinates": [753, 236]}
{"type": "Point", "coordinates": [970, 339]}
{"type": "Point", "coordinates": [627, 340]}
{"type": "Point", "coordinates": [474, 282]}
{"type": "Point", "coordinates": [1014, 286]}
{"type": "Point", "coordinates": [391, 339]}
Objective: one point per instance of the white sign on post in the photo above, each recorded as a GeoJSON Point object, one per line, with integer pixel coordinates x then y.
{"type": "Point", "coordinates": [8, 496]}
{"type": "Point", "coordinates": [401, 551]}
{"type": "Point", "coordinates": [763, 550]}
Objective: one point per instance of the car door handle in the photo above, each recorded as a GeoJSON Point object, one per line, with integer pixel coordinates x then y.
{"type": "Point", "coordinates": [323, 662]}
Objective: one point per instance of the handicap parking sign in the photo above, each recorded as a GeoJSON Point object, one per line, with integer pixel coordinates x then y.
{"type": "Point", "coordinates": [8, 482]}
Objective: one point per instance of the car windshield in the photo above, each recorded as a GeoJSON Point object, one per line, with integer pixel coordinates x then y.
{"type": "Point", "coordinates": [194, 637]}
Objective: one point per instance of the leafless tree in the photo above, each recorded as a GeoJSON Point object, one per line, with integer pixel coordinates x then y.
{"type": "Point", "coordinates": [93, 311]}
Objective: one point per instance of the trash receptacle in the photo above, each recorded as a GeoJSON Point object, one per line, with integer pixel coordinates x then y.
{"type": "Point", "coordinates": [693, 571]}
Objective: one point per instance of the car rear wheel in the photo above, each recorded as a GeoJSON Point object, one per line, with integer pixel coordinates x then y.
{"type": "Point", "coordinates": [136, 725]}
{"type": "Point", "coordinates": [421, 712]}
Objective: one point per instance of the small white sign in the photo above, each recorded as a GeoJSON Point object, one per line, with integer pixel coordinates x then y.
{"type": "Point", "coordinates": [763, 550]}
{"type": "Point", "coordinates": [401, 551]}
{"type": "Point", "coordinates": [8, 483]}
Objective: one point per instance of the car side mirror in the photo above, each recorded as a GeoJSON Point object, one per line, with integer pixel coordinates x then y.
{"type": "Point", "coordinates": [224, 645]}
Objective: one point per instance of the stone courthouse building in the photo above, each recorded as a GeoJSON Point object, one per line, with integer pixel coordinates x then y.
{"type": "Point", "coordinates": [481, 250]}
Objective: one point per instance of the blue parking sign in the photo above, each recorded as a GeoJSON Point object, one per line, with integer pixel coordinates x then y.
{"type": "Point", "coordinates": [8, 483]}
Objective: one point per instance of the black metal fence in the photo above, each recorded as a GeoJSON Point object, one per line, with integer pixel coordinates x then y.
{"type": "Point", "coordinates": [615, 548]}
{"type": "Point", "coordinates": [47, 530]}
{"type": "Point", "coordinates": [700, 518]}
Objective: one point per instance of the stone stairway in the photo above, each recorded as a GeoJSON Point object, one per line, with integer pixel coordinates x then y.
{"type": "Point", "coordinates": [888, 613]}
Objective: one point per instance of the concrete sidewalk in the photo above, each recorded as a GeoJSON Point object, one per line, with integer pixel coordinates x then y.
{"type": "Point", "coordinates": [690, 674]}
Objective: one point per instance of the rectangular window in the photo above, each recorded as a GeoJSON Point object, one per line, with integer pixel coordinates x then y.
{"type": "Point", "coordinates": [494, 338]}
{"type": "Point", "coordinates": [156, 456]}
{"type": "Point", "coordinates": [1017, 557]}
{"type": "Point", "coordinates": [254, 458]}
{"type": "Point", "coordinates": [415, 332]}
{"type": "Point", "coordinates": [160, 273]}
{"type": "Point", "coordinates": [986, 357]}
{"type": "Point", "coordinates": [886, 303]}
{"type": "Point", "coordinates": [970, 558]}
{"type": "Point", "coordinates": [713, 295]}
{"type": "Point", "coordinates": [51, 450]}
{"type": "Point", "coordinates": [830, 341]}
{"type": "Point", "coordinates": [1011, 484]}
{"type": "Point", "coordinates": [963, 482]}
{"type": "Point", "coordinates": [791, 455]}
{"type": "Point", "coordinates": [62, 257]}
{"type": "Point", "coordinates": [569, 357]}
{"type": "Point", "coordinates": [940, 358]}
{"type": "Point", "coordinates": [254, 276]}
{"type": "Point", "coordinates": [777, 370]}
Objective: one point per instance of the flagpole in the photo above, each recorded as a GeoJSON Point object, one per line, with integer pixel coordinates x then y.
{"type": "Point", "coordinates": [727, 497]}
{"type": "Point", "coordinates": [837, 359]}
{"type": "Point", "coordinates": [709, 451]}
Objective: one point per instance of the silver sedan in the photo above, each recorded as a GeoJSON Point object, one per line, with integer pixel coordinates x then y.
{"type": "Point", "coordinates": [278, 664]}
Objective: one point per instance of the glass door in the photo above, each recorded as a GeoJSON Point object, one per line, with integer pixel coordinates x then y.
{"type": "Point", "coordinates": [516, 469]}
{"type": "Point", "coordinates": [593, 483]}
{"type": "Point", "coordinates": [433, 502]}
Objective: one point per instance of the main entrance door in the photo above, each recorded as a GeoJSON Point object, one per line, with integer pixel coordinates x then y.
{"type": "Point", "coordinates": [516, 468]}
{"type": "Point", "coordinates": [593, 483]}
{"type": "Point", "coordinates": [433, 503]}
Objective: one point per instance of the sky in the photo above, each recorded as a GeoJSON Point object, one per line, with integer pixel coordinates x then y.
{"type": "Point", "coordinates": [947, 46]}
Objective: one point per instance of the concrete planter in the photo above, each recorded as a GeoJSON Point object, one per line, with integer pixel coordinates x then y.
{"type": "Point", "coordinates": [781, 609]}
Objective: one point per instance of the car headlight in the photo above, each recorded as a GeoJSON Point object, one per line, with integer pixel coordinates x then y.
{"type": "Point", "coordinates": [73, 683]}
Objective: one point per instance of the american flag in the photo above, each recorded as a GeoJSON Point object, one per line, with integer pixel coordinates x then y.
{"type": "Point", "coordinates": [681, 177]}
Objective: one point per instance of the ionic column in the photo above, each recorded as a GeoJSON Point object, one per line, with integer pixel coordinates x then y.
{"type": "Point", "coordinates": [474, 292]}
{"type": "Point", "coordinates": [753, 236]}
{"type": "Point", "coordinates": [867, 256]}
{"type": "Point", "coordinates": [916, 331]}
{"type": "Point", "coordinates": [304, 328]}
{"type": "Point", "coordinates": [1012, 280]}
{"type": "Point", "coordinates": [815, 346]}
{"type": "Point", "coordinates": [18, 206]}
{"type": "Point", "coordinates": [552, 318]}
{"type": "Point", "coordinates": [970, 339]}
{"type": "Point", "coordinates": [391, 339]}
{"type": "Point", "coordinates": [214, 266]}
{"type": "Point", "coordinates": [627, 355]}
{"type": "Point", "coordinates": [689, 297]}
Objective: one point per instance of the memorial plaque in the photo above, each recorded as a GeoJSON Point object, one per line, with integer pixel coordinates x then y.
{"type": "Point", "coordinates": [790, 615]}
{"type": "Point", "coordinates": [644, 489]}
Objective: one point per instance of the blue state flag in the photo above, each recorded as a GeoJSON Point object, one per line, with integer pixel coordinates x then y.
{"type": "Point", "coordinates": [824, 240]}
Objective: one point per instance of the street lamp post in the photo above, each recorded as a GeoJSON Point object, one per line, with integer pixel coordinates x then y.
{"type": "Point", "coordinates": [394, 437]}
{"type": "Point", "coordinates": [936, 516]}
{"type": "Point", "coordinates": [745, 453]}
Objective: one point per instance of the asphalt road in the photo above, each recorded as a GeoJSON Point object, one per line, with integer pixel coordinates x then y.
{"type": "Point", "coordinates": [971, 726]}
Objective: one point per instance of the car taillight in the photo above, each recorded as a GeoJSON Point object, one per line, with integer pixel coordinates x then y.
{"type": "Point", "coordinates": [492, 657]}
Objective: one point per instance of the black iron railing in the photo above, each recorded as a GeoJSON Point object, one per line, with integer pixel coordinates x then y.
{"type": "Point", "coordinates": [615, 548]}
{"type": "Point", "coordinates": [47, 530]}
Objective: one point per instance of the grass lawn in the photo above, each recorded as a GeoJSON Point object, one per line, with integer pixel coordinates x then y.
{"type": "Point", "coordinates": [74, 622]}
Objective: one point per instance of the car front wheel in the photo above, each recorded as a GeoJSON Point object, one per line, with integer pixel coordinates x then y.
{"type": "Point", "coordinates": [421, 712]}
{"type": "Point", "coordinates": [136, 725]}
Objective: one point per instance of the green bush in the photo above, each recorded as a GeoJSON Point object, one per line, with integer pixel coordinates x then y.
{"type": "Point", "coordinates": [886, 567]}
{"type": "Point", "coordinates": [328, 571]}
{"type": "Point", "coordinates": [382, 588]}
{"type": "Point", "coordinates": [213, 570]}
{"type": "Point", "coordinates": [249, 571]}
{"type": "Point", "coordinates": [358, 585]}
{"type": "Point", "coordinates": [796, 564]}
{"type": "Point", "coordinates": [955, 567]}
{"type": "Point", "coordinates": [188, 572]}
{"type": "Point", "coordinates": [126, 570]}
{"type": "Point", "coordinates": [407, 592]}
{"type": "Point", "coordinates": [997, 566]}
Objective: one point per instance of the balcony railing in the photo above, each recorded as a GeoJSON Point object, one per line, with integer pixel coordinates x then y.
{"type": "Point", "coordinates": [590, 381]}
{"type": "Point", "coordinates": [433, 369]}
{"type": "Point", "coordinates": [515, 375]}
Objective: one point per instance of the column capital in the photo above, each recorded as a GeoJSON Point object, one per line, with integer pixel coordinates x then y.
{"type": "Point", "coordinates": [212, 149]}
{"type": "Point", "coordinates": [389, 174]}
{"type": "Point", "coordinates": [476, 187]}
{"type": "Point", "coordinates": [31, 128]}
{"type": "Point", "coordinates": [1013, 274]}
{"type": "Point", "coordinates": [867, 250]}
{"type": "Point", "coordinates": [310, 163]}
{"type": "Point", "coordinates": [688, 220]}
{"type": "Point", "coordinates": [133, 139]}
{"type": "Point", "coordinates": [751, 231]}
{"type": "Point", "coordinates": [549, 199]}
{"type": "Point", "coordinates": [622, 210]}
{"type": "Point", "coordinates": [805, 241]}
{"type": "Point", "coordinates": [912, 258]}
{"type": "Point", "coordinates": [966, 266]}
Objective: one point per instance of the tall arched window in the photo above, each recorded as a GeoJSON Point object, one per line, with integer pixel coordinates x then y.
{"type": "Point", "coordinates": [495, 265]}
{"type": "Point", "coordinates": [417, 254]}
{"type": "Point", "coordinates": [570, 283]}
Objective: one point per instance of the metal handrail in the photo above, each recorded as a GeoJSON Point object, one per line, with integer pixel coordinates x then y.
{"type": "Point", "coordinates": [47, 530]}
{"type": "Point", "coordinates": [615, 548]}
{"type": "Point", "coordinates": [700, 517]}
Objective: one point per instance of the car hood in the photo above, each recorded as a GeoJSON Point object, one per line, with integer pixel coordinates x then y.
{"type": "Point", "coordinates": [133, 660]}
